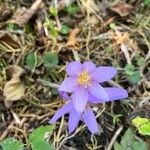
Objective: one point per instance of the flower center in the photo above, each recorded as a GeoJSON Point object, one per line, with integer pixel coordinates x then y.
{"type": "Point", "coordinates": [84, 78]}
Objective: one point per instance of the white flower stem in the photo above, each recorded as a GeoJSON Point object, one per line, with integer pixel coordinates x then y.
{"type": "Point", "coordinates": [76, 55]}
{"type": "Point", "coordinates": [52, 85]}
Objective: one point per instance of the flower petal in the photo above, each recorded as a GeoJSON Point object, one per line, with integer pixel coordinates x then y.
{"type": "Point", "coordinates": [68, 85]}
{"type": "Point", "coordinates": [65, 95]}
{"type": "Point", "coordinates": [89, 66]}
{"type": "Point", "coordinates": [98, 91]}
{"type": "Point", "coordinates": [73, 68]}
{"type": "Point", "coordinates": [80, 98]}
{"type": "Point", "coordinates": [103, 73]}
{"type": "Point", "coordinates": [90, 120]}
{"type": "Point", "coordinates": [93, 100]}
{"type": "Point", "coordinates": [116, 93]}
{"type": "Point", "coordinates": [62, 111]}
{"type": "Point", "coordinates": [74, 118]}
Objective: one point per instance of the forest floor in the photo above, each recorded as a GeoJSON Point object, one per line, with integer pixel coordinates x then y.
{"type": "Point", "coordinates": [38, 38]}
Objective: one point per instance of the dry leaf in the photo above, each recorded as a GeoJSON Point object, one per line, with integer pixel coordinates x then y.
{"type": "Point", "coordinates": [14, 89]}
{"type": "Point", "coordinates": [121, 39]}
{"type": "Point", "coordinates": [90, 6]}
{"type": "Point", "coordinates": [21, 17]}
{"type": "Point", "coordinates": [121, 8]}
{"type": "Point", "coordinates": [14, 71]}
{"type": "Point", "coordinates": [72, 42]}
{"type": "Point", "coordinates": [5, 12]}
{"type": "Point", "coordinates": [106, 23]}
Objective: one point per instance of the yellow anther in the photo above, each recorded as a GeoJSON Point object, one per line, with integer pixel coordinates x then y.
{"type": "Point", "coordinates": [84, 78]}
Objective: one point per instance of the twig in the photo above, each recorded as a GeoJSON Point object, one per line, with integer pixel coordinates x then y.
{"type": "Point", "coordinates": [87, 43]}
{"type": "Point", "coordinates": [145, 100]}
{"type": "Point", "coordinates": [147, 43]}
{"type": "Point", "coordinates": [76, 55]}
{"type": "Point", "coordinates": [112, 83]}
{"type": "Point", "coordinates": [60, 129]}
{"type": "Point", "coordinates": [22, 131]}
{"type": "Point", "coordinates": [4, 134]}
{"type": "Point", "coordinates": [126, 53]}
{"type": "Point", "coordinates": [114, 137]}
{"type": "Point", "coordinates": [52, 85]}
{"type": "Point", "coordinates": [57, 17]}
{"type": "Point", "coordinates": [90, 8]}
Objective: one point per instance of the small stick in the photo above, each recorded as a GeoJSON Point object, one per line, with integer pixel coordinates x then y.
{"type": "Point", "coordinates": [52, 85]}
{"type": "Point", "coordinates": [112, 83]}
{"type": "Point", "coordinates": [4, 134]}
{"type": "Point", "coordinates": [57, 17]}
{"type": "Point", "coordinates": [114, 137]}
{"type": "Point", "coordinates": [76, 55]}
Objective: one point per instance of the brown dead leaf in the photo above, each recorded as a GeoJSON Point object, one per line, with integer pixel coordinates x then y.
{"type": "Point", "coordinates": [72, 41]}
{"type": "Point", "coordinates": [14, 89]}
{"type": "Point", "coordinates": [8, 39]}
{"type": "Point", "coordinates": [122, 38]}
{"type": "Point", "coordinates": [5, 12]}
{"type": "Point", "coordinates": [21, 17]}
{"type": "Point", "coordinates": [106, 23]}
{"type": "Point", "coordinates": [122, 8]}
{"type": "Point", "coordinates": [119, 38]}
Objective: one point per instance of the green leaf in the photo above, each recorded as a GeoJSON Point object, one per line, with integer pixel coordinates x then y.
{"type": "Point", "coordinates": [28, 28]}
{"type": "Point", "coordinates": [73, 9]}
{"type": "Point", "coordinates": [55, 91]}
{"type": "Point", "coordinates": [129, 69]}
{"type": "Point", "coordinates": [142, 124]}
{"type": "Point", "coordinates": [116, 118]}
{"type": "Point", "coordinates": [139, 145]}
{"type": "Point", "coordinates": [112, 26]}
{"type": "Point", "coordinates": [117, 146]}
{"type": "Point", "coordinates": [12, 144]}
{"type": "Point", "coordinates": [135, 77]}
{"type": "Point", "coordinates": [53, 31]}
{"type": "Point", "coordinates": [31, 60]}
{"type": "Point", "coordinates": [41, 145]}
{"type": "Point", "coordinates": [147, 2]}
{"type": "Point", "coordinates": [127, 139]}
{"type": "Point", "coordinates": [13, 26]}
{"type": "Point", "coordinates": [141, 61]}
{"type": "Point", "coordinates": [40, 132]}
{"type": "Point", "coordinates": [64, 29]}
{"type": "Point", "coordinates": [53, 11]}
{"type": "Point", "coordinates": [128, 142]}
{"type": "Point", "coordinates": [50, 60]}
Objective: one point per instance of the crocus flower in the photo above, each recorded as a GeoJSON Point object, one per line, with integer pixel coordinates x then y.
{"type": "Point", "coordinates": [81, 89]}
{"type": "Point", "coordinates": [87, 116]}
{"type": "Point", "coordinates": [83, 84]}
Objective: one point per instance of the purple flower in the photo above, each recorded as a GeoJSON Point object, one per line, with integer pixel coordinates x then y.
{"type": "Point", "coordinates": [87, 116]}
{"type": "Point", "coordinates": [83, 84]}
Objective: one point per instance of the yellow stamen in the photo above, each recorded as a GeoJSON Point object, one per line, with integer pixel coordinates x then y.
{"type": "Point", "coordinates": [84, 78]}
